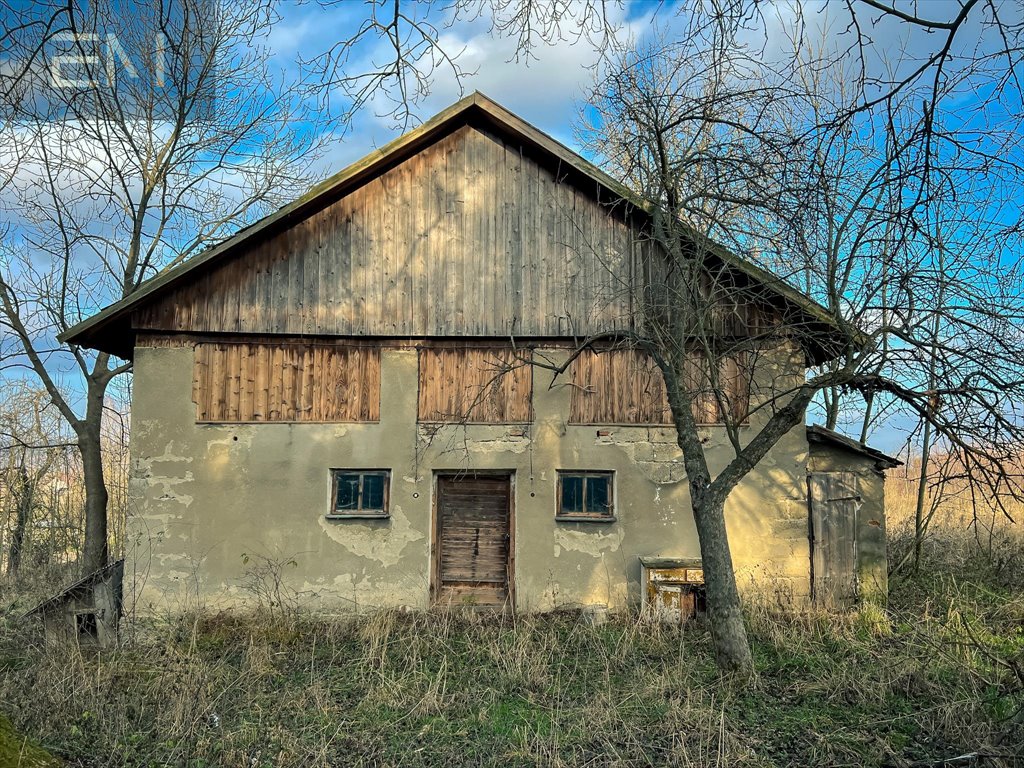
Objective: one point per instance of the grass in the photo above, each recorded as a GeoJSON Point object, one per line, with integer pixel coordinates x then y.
{"type": "Point", "coordinates": [938, 674]}
{"type": "Point", "coordinates": [17, 751]}
{"type": "Point", "coordinates": [451, 690]}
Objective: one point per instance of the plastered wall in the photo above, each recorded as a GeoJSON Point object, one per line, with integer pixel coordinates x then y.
{"type": "Point", "coordinates": [213, 504]}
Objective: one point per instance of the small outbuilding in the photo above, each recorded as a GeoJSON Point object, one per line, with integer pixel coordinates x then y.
{"type": "Point", "coordinates": [88, 611]}
{"type": "Point", "coordinates": [846, 513]}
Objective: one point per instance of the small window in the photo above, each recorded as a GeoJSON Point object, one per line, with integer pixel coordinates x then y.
{"type": "Point", "coordinates": [360, 493]}
{"type": "Point", "coordinates": [585, 496]}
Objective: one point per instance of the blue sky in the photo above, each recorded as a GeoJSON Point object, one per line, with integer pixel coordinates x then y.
{"type": "Point", "coordinates": [546, 89]}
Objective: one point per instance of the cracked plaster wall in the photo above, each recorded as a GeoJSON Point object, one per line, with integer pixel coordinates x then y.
{"type": "Point", "coordinates": [206, 497]}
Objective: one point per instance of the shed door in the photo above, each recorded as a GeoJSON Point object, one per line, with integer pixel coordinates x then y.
{"type": "Point", "coordinates": [834, 502]}
{"type": "Point", "coordinates": [473, 540]}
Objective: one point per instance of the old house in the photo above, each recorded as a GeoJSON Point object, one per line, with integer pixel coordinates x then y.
{"type": "Point", "coordinates": [345, 388]}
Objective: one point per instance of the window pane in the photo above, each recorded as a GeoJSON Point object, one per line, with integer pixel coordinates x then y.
{"type": "Point", "coordinates": [598, 495]}
{"type": "Point", "coordinates": [348, 492]}
{"type": "Point", "coordinates": [373, 492]}
{"type": "Point", "coordinates": [572, 494]}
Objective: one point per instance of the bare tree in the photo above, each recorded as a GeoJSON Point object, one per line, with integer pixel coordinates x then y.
{"type": "Point", "coordinates": [144, 137]}
{"type": "Point", "coordinates": [33, 447]}
{"type": "Point", "coordinates": [899, 242]}
{"type": "Point", "coordinates": [399, 51]}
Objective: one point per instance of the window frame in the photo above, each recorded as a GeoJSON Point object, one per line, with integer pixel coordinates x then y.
{"type": "Point", "coordinates": [359, 513]}
{"type": "Point", "coordinates": [586, 516]}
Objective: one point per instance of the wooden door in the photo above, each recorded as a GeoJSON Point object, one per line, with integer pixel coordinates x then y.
{"type": "Point", "coordinates": [834, 502]}
{"type": "Point", "coordinates": [473, 540]}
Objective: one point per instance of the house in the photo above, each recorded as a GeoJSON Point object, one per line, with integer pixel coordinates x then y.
{"type": "Point", "coordinates": [357, 391]}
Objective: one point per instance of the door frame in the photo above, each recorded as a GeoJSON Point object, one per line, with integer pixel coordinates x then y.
{"type": "Point", "coordinates": [435, 529]}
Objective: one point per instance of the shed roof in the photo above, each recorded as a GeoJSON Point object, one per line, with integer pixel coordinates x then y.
{"type": "Point", "coordinates": [110, 329]}
{"type": "Point", "coordinates": [114, 569]}
{"type": "Point", "coordinates": [822, 435]}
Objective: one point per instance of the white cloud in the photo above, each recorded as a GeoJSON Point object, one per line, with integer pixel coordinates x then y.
{"type": "Point", "coordinates": [544, 89]}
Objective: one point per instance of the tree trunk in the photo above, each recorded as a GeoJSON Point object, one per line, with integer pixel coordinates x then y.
{"type": "Point", "coordinates": [922, 491]}
{"type": "Point", "coordinates": [26, 493]}
{"type": "Point", "coordinates": [728, 632]}
{"type": "Point", "coordinates": [94, 555]}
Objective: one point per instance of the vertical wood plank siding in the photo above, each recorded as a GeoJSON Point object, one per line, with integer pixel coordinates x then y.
{"type": "Point", "coordinates": [469, 237]}
{"type": "Point", "coordinates": [256, 382]}
{"type": "Point", "coordinates": [625, 386]}
{"type": "Point", "coordinates": [475, 385]}
{"type": "Point", "coordinates": [834, 501]}
{"type": "Point", "coordinates": [473, 540]}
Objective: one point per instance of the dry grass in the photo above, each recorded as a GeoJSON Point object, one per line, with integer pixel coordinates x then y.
{"type": "Point", "coordinates": [966, 530]}
{"type": "Point", "coordinates": [449, 689]}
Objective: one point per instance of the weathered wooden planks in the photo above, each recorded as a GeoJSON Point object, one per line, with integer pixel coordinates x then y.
{"type": "Point", "coordinates": [475, 385]}
{"type": "Point", "coordinates": [281, 382]}
{"type": "Point", "coordinates": [834, 500]}
{"type": "Point", "coordinates": [625, 386]}
{"type": "Point", "coordinates": [472, 546]}
{"type": "Point", "coordinates": [468, 237]}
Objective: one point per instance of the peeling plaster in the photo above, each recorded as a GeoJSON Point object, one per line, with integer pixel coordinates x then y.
{"type": "Point", "coordinates": [143, 473]}
{"type": "Point", "coordinates": [381, 541]}
{"type": "Point", "coordinates": [654, 452]}
{"type": "Point", "coordinates": [239, 436]}
{"type": "Point", "coordinates": [455, 437]}
{"type": "Point", "coordinates": [500, 445]}
{"type": "Point", "coordinates": [167, 493]}
{"type": "Point", "coordinates": [169, 557]}
{"type": "Point", "coordinates": [166, 456]}
{"type": "Point", "coordinates": [588, 542]}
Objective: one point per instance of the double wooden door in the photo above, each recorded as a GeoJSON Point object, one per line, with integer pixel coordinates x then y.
{"type": "Point", "coordinates": [473, 540]}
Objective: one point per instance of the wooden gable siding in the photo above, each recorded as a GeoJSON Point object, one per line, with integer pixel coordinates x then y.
{"type": "Point", "coordinates": [268, 382]}
{"type": "Point", "coordinates": [467, 238]}
{"type": "Point", "coordinates": [475, 385]}
{"type": "Point", "coordinates": [625, 386]}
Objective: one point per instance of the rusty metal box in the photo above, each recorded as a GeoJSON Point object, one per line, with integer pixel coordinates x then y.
{"type": "Point", "coordinates": [673, 588]}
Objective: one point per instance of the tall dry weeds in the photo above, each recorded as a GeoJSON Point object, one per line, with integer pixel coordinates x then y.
{"type": "Point", "coordinates": [450, 688]}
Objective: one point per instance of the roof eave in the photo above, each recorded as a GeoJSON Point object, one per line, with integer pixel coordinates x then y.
{"type": "Point", "coordinates": [816, 432]}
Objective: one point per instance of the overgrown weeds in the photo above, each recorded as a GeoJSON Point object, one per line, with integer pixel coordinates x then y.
{"type": "Point", "coordinates": [456, 689]}
{"type": "Point", "coordinates": [938, 673]}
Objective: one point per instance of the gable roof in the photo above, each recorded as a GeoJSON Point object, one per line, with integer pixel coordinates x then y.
{"type": "Point", "coordinates": [114, 571]}
{"type": "Point", "coordinates": [110, 329]}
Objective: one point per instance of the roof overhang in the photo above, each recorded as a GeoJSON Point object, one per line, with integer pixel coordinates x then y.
{"type": "Point", "coordinates": [824, 436]}
{"type": "Point", "coordinates": [113, 570]}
